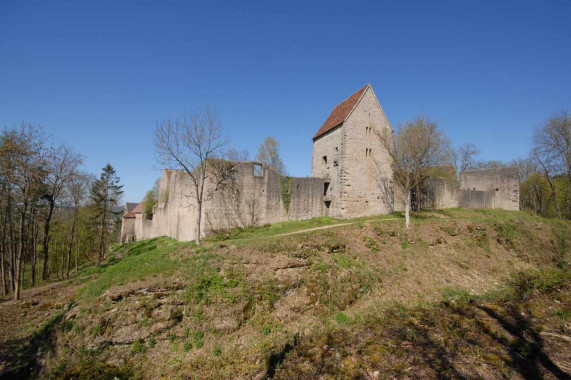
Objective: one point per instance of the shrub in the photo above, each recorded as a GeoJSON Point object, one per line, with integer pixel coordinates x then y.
{"type": "Point", "coordinates": [138, 346]}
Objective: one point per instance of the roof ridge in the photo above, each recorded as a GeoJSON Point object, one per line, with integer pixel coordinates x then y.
{"type": "Point", "coordinates": [341, 111]}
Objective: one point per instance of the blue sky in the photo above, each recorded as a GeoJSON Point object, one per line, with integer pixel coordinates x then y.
{"type": "Point", "coordinates": [99, 75]}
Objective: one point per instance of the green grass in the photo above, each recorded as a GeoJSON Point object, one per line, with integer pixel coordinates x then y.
{"type": "Point", "coordinates": [141, 260]}
{"type": "Point", "coordinates": [238, 235]}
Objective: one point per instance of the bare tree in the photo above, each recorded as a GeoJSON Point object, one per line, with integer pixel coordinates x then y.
{"type": "Point", "coordinates": [552, 150]}
{"type": "Point", "coordinates": [238, 155]}
{"type": "Point", "coordinates": [192, 144]}
{"type": "Point", "coordinates": [467, 154]}
{"type": "Point", "coordinates": [61, 164]}
{"type": "Point", "coordinates": [269, 154]}
{"type": "Point", "coordinates": [417, 146]}
{"type": "Point", "coordinates": [76, 190]}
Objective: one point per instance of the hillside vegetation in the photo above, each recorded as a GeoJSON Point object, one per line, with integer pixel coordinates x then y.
{"type": "Point", "coordinates": [461, 294]}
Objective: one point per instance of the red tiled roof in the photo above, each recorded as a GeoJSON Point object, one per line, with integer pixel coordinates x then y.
{"type": "Point", "coordinates": [340, 113]}
{"type": "Point", "coordinates": [139, 209]}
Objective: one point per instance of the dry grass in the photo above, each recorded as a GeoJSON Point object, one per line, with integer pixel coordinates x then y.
{"type": "Point", "coordinates": [235, 307]}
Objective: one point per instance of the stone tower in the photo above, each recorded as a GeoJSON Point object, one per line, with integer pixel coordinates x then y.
{"type": "Point", "coordinates": [348, 154]}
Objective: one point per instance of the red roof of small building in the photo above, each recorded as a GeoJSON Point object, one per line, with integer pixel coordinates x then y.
{"type": "Point", "coordinates": [139, 209]}
{"type": "Point", "coordinates": [340, 112]}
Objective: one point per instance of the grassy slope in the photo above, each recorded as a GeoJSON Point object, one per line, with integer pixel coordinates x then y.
{"type": "Point", "coordinates": [336, 301]}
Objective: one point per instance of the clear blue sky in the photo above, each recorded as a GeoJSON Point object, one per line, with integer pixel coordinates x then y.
{"type": "Point", "coordinates": [98, 75]}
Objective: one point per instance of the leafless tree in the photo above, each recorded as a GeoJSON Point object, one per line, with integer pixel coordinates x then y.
{"type": "Point", "coordinates": [76, 191]}
{"type": "Point", "coordinates": [552, 150]}
{"type": "Point", "coordinates": [467, 154]}
{"type": "Point", "coordinates": [417, 146]}
{"type": "Point", "coordinates": [238, 155]}
{"type": "Point", "coordinates": [61, 165]}
{"type": "Point", "coordinates": [192, 144]}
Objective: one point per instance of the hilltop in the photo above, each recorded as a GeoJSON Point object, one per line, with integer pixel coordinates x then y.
{"type": "Point", "coordinates": [462, 294]}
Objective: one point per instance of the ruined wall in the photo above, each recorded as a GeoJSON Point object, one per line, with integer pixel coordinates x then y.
{"type": "Point", "coordinates": [127, 230]}
{"type": "Point", "coordinates": [479, 189]}
{"type": "Point", "coordinates": [251, 198]}
{"type": "Point", "coordinates": [143, 227]}
{"type": "Point", "coordinates": [503, 181]}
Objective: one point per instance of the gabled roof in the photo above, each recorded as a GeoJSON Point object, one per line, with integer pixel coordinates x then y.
{"type": "Point", "coordinates": [129, 207]}
{"type": "Point", "coordinates": [139, 209]}
{"type": "Point", "coordinates": [341, 111]}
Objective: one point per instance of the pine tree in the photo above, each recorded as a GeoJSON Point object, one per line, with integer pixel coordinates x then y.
{"type": "Point", "coordinates": [106, 195]}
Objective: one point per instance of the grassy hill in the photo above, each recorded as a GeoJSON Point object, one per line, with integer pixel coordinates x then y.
{"type": "Point", "coordinates": [461, 294]}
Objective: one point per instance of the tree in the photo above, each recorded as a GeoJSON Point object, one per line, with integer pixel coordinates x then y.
{"type": "Point", "coordinates": [151, 199]}
{"type": "Point", "coordinates": [193, 144]}
{"type": "Point", "coordinates": [76, 189]}
{"type": "Point", "coordinates": [22, 165]}
{"type": "Point", "coordinates": [417, 146]}
{"type": "Point", "coordinates": [552, 151]}
{"type": "Point", "coordinates": [269, 154]}
{"type": "Point", "coordinates": [61, 165]}
{"type": "Point", "coordinates": [490, 164]}
{"type": "Point", "coordinates": [238, 155]}
{"type": "Point", "coordinates": [106, 195]}
{"type": "Point", "coordinates": [467, 154]}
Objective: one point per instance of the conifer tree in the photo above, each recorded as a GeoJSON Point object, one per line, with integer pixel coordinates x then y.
{"type": "Point", "coordinates": [106, 195]}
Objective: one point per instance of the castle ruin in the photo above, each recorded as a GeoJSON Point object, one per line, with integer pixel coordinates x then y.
{"type": "Point", "coordinates": [351, 177]}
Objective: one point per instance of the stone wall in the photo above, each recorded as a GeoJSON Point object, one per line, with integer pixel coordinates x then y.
{"type": "Point", "coordinates": [251, 198]}
{"type": "Point", "coordinates": [127, 230]}
{"type": "Point", "coordinates": [503, 181]}
{"type": "Point", "coordinates": [488, 188]}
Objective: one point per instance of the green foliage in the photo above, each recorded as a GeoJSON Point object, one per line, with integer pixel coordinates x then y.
{"type": "Point", "coordinates": [197, 338]}
{"type": "Point", "coordinates": [455, 294]}
{"type": "Point", "coordinates": [187, 346]}
{"type": "Point", "coordinates": [371, 243]}
{"type": "Point", "coordinates": [152, 342]}
{"type": "Point", "coordinates": [524, 284]}
{"type": "Point", "coordinates": [507, 233]}
{"type": "Point", "coordinates": [286, 190]}
{"type": "Point", "coordinates": [217, 351]}
{"type": "Point", "coordinates": [343, 320]}
{"type": "Point", "coordinates": [150, 202]}
{"type": "Point", "coordinates": [172, 338]}
{"type": "Point", "coordinates": [138, 347]}
{"type": "Point", "coordinates": [404, 244]}
{"type": "Point", "coordinates": [266, 330]}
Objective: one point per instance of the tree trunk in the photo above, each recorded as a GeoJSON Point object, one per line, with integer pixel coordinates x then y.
{"type": "Point", "coordinates": [417, 195]}
{"type": "Point", "coordinates": [46, 241]}
{"type": "Point", "coordinates": [198, 222]}
{"type": "Point", "coordinates": [71, 242]}
{"type": "Point", "coordinates": [19, 254]}
{"type": "Point", "coordinates": [407, 209]}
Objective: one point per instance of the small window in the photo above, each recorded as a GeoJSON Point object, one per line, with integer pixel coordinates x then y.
{"type": "Point", "coordinates": [335, 163]}
{"type": "Point", "coordinates": [497, 189]}
{"type": "Point", "coordinates": [368, 152]}
{"type": "Point", "coordinates": [325, 188]}
{"type": "Point", "coordinates": [327, 204]}
{"type": "Point", "coordinates": [257, 170]}
{"type": "Point", "coordinates": [324, 159]}
{"type": "Point", "coordinates": [337, 149]}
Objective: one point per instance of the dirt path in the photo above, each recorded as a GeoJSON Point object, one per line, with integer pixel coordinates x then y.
{"type": "Point", "coordinates": [332, 226]}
